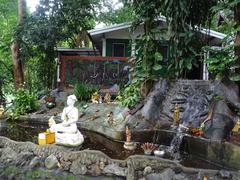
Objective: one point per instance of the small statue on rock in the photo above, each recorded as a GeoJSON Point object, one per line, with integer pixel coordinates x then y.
{"type": "Point", "coordinates": [95, 97]}
{"type": "Point", "coordinates": [128, 145]}
{"type": "Point", "coordinates": [128, 134]}
{"type": "Point", "coordinates": [1, 110]}
{"type": "Point", "coordinates": [236, 129]}
{"type": "Point", "coordinates": [176, 114]}
{"type": "Point", "coordinates": [110, 118]}
{"type": "Point", "coordinates": [107, 98]}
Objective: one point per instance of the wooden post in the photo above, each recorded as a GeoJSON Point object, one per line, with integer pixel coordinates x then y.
{"type": "Point", "coordinates": [62, 72]}
{"type": "Point", "coordinates": [237, 39]}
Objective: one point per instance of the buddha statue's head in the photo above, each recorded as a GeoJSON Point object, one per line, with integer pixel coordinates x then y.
{"type": "Point", "coordinates": [71, 100]}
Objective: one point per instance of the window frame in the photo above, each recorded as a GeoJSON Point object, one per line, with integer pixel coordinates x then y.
{"type": "Point", "coordinates": [124, 46]}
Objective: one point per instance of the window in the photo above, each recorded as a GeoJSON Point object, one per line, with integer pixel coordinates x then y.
{"type": "Point", "coordinates": [163, 49]}
{"type": "Point", "coordinates": [118, 49]}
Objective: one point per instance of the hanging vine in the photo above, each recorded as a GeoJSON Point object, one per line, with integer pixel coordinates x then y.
{"type": "Point", "coordinates": [182, 18]}
{"type": "Point", "coordinates": [226, 61]}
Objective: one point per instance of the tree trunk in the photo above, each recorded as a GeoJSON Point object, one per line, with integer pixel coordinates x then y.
{"type": "Point", "coordinates": [15, 47]}
{"type": "Point", "coordinates": [237, 39]}
{"type": "Point", "coordinates": [17, 65]}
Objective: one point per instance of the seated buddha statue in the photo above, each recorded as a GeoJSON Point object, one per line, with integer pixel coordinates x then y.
{"type": "Point", "coordinates": [67, 133]}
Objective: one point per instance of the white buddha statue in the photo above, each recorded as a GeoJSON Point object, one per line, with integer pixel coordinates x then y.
{"type": "Point", "coordinates": [67, 133]}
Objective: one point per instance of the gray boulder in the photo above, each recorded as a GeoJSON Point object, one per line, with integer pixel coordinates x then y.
{"type": "Point", "coordinates": [221, 123]}
{"type": "Point", "coordinates": [35, 162]}
{"type": "Point", "coordinates": [51, 162]}
{"type": "Point", "coordinates": [78, 169]}
{"type": "Point", "coordinates": [147, 170]}
{"type": "Point", "coordinates": [115, 169]}
{"type": "Point", "coordinates": [8, 155]}
{"type": "Point", "coordinates": [167, 174]}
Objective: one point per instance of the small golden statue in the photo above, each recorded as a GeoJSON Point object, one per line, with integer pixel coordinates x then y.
{"type": "Point", "coordinates": [128, 145]}
{"type": "Point", "coordinates": [1, 111]}
{"type": "Point", "coordinates": [236, 128]}
{"type": "Point", "coordinates": [95, 97]}
{"type": "Point", "coordinates": [128, 134]}
{"type": "Point", "coordinates": [110, 117]}
{"type": "Point", "coordinates": [176, 114]}
{"type": "Point", "coordinates": [107, 98]}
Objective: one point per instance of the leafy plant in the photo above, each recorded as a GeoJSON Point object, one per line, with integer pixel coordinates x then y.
{"type": "Point", "coordinates": [24, 102]}
{"type": "Point", "coordinates": [220, 61]}
{"type": "Point", "coordinates": [228, 56]}
{"type": "Point", "coordinates": [179, 34]}
{"type": "Point", "coordinates": [84, 91]}
{"type": "Point", "coordinates": [130, 95]}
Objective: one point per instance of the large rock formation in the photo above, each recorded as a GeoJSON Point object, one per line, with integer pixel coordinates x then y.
{"type": "Point", "coordinates": [197, 99]}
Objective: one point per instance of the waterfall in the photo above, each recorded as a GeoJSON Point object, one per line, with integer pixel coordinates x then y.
{"type": "Point", "coordinates": [176, 143]}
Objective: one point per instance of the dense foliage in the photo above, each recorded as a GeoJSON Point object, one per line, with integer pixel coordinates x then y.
{"type": "Point", "coordinates": [84, 91]}
{"type": "Point", "coordinates": [225, 61]}
{"type": "Point", "coordinates": [55, 23]}
{"type": "Point", "coordinates": [8, 21]}
{"type": "Point", "coordinates": [182, 19]}
{"type": "Point", "coordinates": [24, 102]}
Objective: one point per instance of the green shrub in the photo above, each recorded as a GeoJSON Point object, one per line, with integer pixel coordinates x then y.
{"type": "Point", "coordinates": [24, 102]}
{"type": "Point", "coordinates": [130, 96]}
{"type": "Point", "coordinates": [84, 91]}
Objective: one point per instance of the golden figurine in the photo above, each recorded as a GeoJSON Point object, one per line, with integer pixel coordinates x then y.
{"type": "Point", "coordinates": [1, 111]}
{"type": "Point", "coordinates": [128, 145]}
{"type": "Point", "coordinates": [95, 97]}
{"type": "Point", "coordinates": [236, 128]}
{"type": "Point", "coordinates": [128, 134]}
{"type": "Point", "coordinates": [110, 117]}
{"type": "Point", "coordinates": [176, 114]}
{"type": "Point", "coordinates": [107, 98]}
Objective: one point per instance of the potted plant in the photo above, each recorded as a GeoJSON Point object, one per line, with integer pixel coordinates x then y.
{"type": "Point", "coordinates": [148, 148]}
{"type": "Point", "coordinates": [50, 100]}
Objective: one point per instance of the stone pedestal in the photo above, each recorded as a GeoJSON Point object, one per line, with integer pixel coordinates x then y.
{"type": "Point", "coordinates": [129, 146]}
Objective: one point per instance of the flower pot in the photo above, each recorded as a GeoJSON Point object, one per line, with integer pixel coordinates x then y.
{"type": "Point", "coordinates": [148, 152]}
{"type": "Point", "coordinates": [50, 99]}
{"type": "Point", "coordinates": [50, 105]}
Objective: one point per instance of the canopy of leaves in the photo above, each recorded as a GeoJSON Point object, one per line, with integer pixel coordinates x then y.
{"type": "Point", "coordinates": [112, 15]}
{"type": "Point", "coordinates": [8, 21]}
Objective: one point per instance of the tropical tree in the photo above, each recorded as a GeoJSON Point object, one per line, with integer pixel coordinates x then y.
{"type": "Point", "coordinates": [55, 23]}
{"type": "Point", "coordinates": [8, 21]}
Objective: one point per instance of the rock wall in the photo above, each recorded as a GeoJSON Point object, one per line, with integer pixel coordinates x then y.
{"type": "Point", "coordinates": [197, 98]}
{"type": "Point", "coordinates": [94, 163]}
